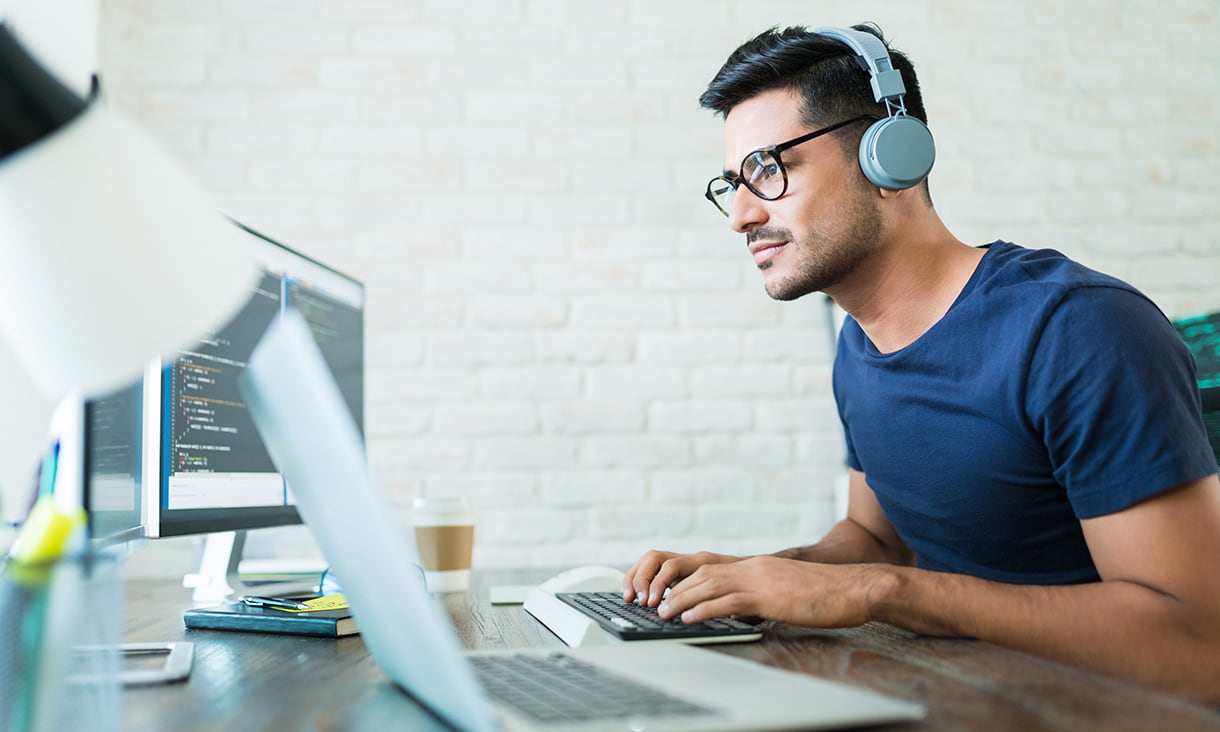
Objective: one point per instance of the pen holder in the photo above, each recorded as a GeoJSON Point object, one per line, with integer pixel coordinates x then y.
{"type": "Point", "coordinates": [59, 635]}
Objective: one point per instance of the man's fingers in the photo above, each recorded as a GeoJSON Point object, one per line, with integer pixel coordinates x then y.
{"type": "Point", "coordinates": [705, 602]}
{"type": "Point", "coordinates": [639, 578]}
{"type": "Point", "coordinates": [716, 607]}
{"type": "Point", "coordinates": [712, 591]}
{"type": "Point", "coordinates": [658, 571]}
{"type": "Point", "coordinates": [671, 571]}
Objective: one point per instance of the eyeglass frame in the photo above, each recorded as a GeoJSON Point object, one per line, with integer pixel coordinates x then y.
{"type": "Point", "coordinates": [774, 151]}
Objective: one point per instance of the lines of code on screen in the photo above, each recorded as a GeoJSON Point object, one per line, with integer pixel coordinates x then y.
{"type": "Point", "coordinates": [338, 329]}
{"type": "Point", "coordinates": [210, 430]}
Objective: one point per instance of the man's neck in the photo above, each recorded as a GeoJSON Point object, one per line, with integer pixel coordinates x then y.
{"type": "Point", "coordinates": [909, 285]}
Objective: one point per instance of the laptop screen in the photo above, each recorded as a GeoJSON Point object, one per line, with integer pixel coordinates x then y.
{"type": "Point", "coordinates": [309, 433]}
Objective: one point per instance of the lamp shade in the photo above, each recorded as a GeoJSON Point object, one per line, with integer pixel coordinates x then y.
{"type": "Point", "coordinates": [109, 254]}
{"type": "Point", "coordinates": [23, 428]}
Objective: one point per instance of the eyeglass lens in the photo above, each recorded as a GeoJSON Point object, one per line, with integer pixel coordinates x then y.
{"type": "Point", "coordinates": [761, 172]}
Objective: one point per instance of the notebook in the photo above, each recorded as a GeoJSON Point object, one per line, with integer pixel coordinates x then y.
{"type": "Point", "coordinates": [238, 616]}
{"type": "Point", "coordinates": [315, 444]}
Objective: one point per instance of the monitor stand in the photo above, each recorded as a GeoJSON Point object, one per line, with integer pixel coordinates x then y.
{"type": "Point", "coordinates": [218, 579]}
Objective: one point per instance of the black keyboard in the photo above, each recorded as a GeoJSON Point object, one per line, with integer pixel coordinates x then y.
{"type": "Point", "coordinates": [559, 688]}
{"type": "Point", "coordinates": [630, 621]}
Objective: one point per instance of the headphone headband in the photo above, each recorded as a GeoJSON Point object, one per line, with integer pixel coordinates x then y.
{"type": "Point", "coordinates": [872, 54]}
{"type": "Point", "coordinates": [896, 152]}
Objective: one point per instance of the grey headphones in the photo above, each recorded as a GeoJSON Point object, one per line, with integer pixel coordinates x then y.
{"type": "Point", "coordinates": [896, 152]}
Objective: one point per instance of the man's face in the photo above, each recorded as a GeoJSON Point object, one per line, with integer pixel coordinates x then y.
{"type": "Point", "coordinates": [817, 233]}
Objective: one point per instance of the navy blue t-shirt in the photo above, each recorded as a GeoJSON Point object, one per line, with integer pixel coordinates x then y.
{"type": "Point", "coordinates": [1048, 393]}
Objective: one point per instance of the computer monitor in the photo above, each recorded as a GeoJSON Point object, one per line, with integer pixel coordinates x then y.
{"type": "Point", "coordinates": [112, 485]}
{"type": "Point", "coordinates": [1202, 336]}
{"type": "Point", "coordinates": [206, 470]}
{"type": "Point", "coordinates": [106, 432]}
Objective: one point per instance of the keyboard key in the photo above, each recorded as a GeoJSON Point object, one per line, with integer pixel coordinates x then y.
{"type": "Point", "coordinates": [630, 621]}
{"type": "Point", "coordinates": [559, 688]}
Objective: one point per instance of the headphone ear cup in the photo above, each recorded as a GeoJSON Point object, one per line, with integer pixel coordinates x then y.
{"type": "Point", "coordinates": [897, 152]}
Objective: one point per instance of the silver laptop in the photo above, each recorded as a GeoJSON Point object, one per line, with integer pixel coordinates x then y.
{"type": "Point", "coordinates": [313, 440]}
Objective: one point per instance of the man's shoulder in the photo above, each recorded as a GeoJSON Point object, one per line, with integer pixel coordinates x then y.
{"type": "Point", "coordinates": [1045, 279]}
{"type": "Point", "coordinates": [1011, 264]}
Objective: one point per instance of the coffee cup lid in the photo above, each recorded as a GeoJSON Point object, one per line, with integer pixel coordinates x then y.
{"type": "Point", "coordinates": [441, 503]}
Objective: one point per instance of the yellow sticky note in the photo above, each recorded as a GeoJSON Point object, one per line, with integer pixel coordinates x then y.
{"type": "Point", "coordinates": [45, 533]}
{"type": "Point", "coordinates": [330, 602]}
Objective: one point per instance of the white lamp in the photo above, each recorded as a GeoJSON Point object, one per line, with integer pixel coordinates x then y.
{"type": "Point", "coordinates": [109, 254]}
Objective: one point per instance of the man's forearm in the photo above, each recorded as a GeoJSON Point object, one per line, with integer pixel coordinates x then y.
{"type": "Point", "coordinates": [1118, 628]}
{"type": "Point", "coordinates": [848, 543]}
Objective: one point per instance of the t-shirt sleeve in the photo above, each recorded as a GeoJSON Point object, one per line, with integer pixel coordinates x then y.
{"type": "Point", "coordinates": [1112, 390]}
{"type": "Point", "coordinates": [849, 328]}
{"type": "Point", "coordinates": [850, 458]}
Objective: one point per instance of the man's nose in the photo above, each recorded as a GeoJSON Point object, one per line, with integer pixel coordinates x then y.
{"type": "Point", "coordinates": [746, 211]}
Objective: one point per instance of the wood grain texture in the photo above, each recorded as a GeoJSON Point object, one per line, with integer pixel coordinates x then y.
{"type": "Point", "coordinates": [276, 683]}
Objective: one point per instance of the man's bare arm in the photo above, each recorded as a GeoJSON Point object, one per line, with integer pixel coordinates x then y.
{"type": "Point", "coordinates": [864, 536]}
{"type": "Point", "coordinates": [1153, 619]}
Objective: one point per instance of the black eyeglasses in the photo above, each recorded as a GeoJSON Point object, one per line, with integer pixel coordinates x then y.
{"type": "Point", "coordinates": [762, 171]}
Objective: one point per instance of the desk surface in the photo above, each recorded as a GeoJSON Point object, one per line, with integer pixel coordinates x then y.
{"type": "Point", "coordinates": [285, 683]}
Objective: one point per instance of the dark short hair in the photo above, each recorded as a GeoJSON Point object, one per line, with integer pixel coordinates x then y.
{"type": "Point", "coordinates": [832, 83]}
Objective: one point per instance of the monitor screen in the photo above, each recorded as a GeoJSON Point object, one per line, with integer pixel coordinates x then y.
{"type": "Point", "coordinates": [210, 470]}
{"type": "Point", "coordinates": [1202, 336]}
{"type": "Point", "coordinates": [113, 477]}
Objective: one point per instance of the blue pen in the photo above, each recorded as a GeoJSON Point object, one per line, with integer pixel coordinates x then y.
{"type": "Point", "coordinates": [46, 473]}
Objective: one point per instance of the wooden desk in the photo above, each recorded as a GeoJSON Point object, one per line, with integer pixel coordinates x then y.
{"type": "Point", "coordinates": [279, 683]}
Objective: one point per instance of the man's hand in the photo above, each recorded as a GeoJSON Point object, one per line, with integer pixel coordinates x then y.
{"type": "Point", "coordinates": [656, 571]}
{"type": "Point", "coordinates": [785, 590]}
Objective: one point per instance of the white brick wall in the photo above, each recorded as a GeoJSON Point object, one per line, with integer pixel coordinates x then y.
{"type": "Point", "coordinates": [559, 325]}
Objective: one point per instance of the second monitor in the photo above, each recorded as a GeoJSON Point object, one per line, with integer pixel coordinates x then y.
{"type": "Point", "coordinates": [206, 470]}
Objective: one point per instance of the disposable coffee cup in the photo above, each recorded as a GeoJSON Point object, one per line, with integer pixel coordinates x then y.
{"type": "Point", "coordinates": [444, 536]}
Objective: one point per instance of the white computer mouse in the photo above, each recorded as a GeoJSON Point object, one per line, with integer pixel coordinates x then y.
{"type": "Point", "coordinates": [589, 578]}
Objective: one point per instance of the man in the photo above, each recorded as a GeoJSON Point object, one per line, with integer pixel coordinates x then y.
{"type": "Point", "coordinates": [1028, 461]}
